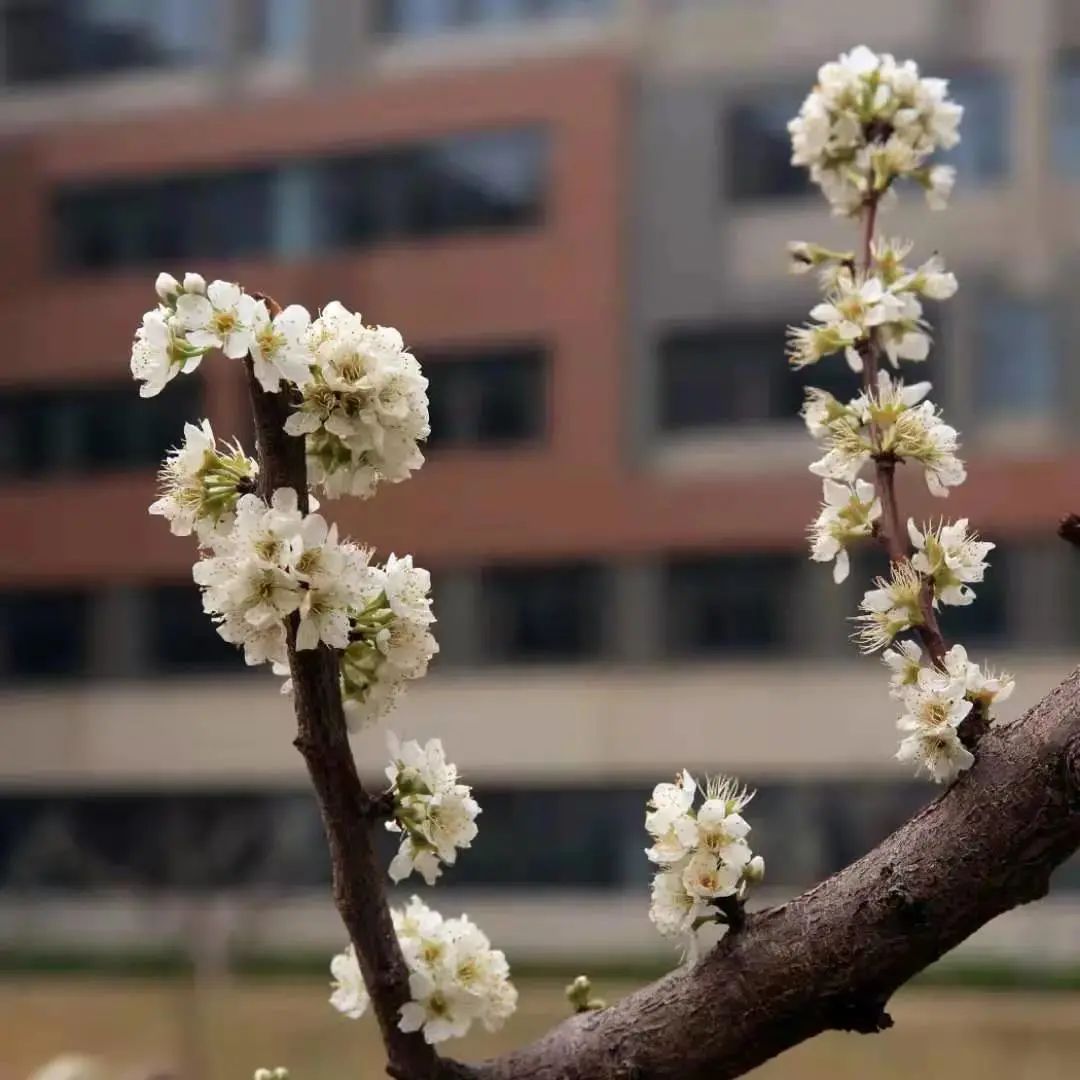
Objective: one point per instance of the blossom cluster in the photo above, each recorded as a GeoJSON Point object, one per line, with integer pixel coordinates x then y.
{"type": "Point", "coordinates": [882, 302]}
{"type": "Point", "coordinates": [434, 813]}
{"type": "Point", "coordinates": [274, 561]}
{"type": "Point", "coordinates": [936, 700]}
{"type": "Point", "coordinates": [390, 640]}
{"type": "Point", "coordinates": [262, 563]}
{"type": "Point", "coordinates": [869, 121]}
{"type": "Point", "coordinates": [702, 854]}
{"type": "Point", "coordinates": [365, 409]}
{"type": "Point", "coordinates": [360, 397]}
{"type": "Point", "coordinates": [455, 976]}
{"type": "Point", "coordinates": [890, 421]}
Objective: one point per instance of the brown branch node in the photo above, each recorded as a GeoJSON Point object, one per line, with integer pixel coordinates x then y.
{"type": "Point", "coordinates": [1069, 529]}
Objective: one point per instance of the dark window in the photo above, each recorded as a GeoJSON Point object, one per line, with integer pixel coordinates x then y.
{"type": "Point", "coordinates": [1018, 356]}
{"type": "Point", "coordinates": [1066, 115]}
{"type": "Point", "coordinates": [982, 153]}
{"type": "Point", "coordinates": [728, 603]}
{"type": "Point", "coordinates": [542, 613]}
{"type": "Point", "coordinates": [416, 18]}
{"type": "Point", "coordinates": [987, 619]}
{"type": "Point", "coordinates": [479, 181]}
{"type": "Point", "coordinates": [91, 428]}
{"type": "Point", "coordinates": [718, 376]}
{"type": "Point", "coordinates": [57, 39]}
{"type": "Point", "coordinates": [183, 639]}
{"type": "Point", "coordinates": [757, 147]}
{"type": "Point", "coordinates": [122, 223]}
{"type": "Point", "coordinates": [497, 398]}
{"type": "Point", "coordinates": [44, 634]}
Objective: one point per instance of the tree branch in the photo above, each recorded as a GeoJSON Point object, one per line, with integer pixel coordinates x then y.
{"type": "Point", "coordinates": [348, 812]}
{"type": "Point", "coordinates": [1069, 529]}
{"type": "Point", "coordinates": [831, 958]}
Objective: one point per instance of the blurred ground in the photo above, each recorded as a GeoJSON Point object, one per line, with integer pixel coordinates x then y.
{"type": "Point", "coordinates": [221, 1032]}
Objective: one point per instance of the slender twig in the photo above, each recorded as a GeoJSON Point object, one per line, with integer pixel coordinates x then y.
{"type": "Point", "coordinates": [349, 813]}
{"type": "Point", "coordinates": [892, 534]}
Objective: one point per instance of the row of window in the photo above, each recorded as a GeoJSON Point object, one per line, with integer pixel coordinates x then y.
{"type": "Point", "coordinates": [45, 41]}
{"type": "Point", "coordinates": [481, 181]}
{"type": "Point", "coordinates": [531, 837]}
{"type": "Point", "coordinates": [494, 397]}
{"type": "Point", "coordinates": [416, 18]}
{"type": "Point", "coordinates": [712, 606]}
{"type": "Point", "coordinates": [718, 375]}
{"type": "Point", "coordinates": [52, 40]}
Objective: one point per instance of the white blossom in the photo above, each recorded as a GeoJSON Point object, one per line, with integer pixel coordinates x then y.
{"type": "Point", "coordinates": [869, 121]}
{"type": "Point", "coordinates": [981, 687]}
{"type": "Point", "coordinates": [434, 813]}
{"type": "Point", "coordinates": [455, 976]}
{"type": "Point", "coordinates": [156, 356]}
{"type": "Point", "coordinates": [703, 854]}
{"type": "Point", "coordinates": [273, 561]}
{"type": "Point", "coordinates": [222, 319]}
{"type": "Point", "coordinates": [895, 605]}
{"type": "Point", "coordinates": [934, 708]}
{"type": "Point", "coordinates": [904, 661]}
{"type": "Point", "coordinates": [201, 483]}
{"type": "Point", "coordinates": [848, 513]}
{"type": "Point", "coordinates": [921, 435]}
{"type": "Point", "coordinates": [365, 409]}
{"type": "Point", "coordinates": [951, 557]}
{"type": "Point", "coordinates": [390, 639]}
{"type": "Point", "coordinates": [280, 348]}
{"type": "Point", "coordinates": [350, 995]}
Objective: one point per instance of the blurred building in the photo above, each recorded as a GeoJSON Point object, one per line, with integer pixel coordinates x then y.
{"type": "Point", "coordinates": [576, 210]}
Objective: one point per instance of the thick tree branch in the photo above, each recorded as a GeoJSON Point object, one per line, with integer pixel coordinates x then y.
{"type": "Point", "coordinates": [348, 812]}
{"type": "Point", "coordinates": [832, 957]}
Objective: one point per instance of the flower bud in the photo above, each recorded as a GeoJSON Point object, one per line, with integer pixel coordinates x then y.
{"type": "Point", "coordinates": [194, 283]}
{"type": "Point", "coordinates": [166, 286]}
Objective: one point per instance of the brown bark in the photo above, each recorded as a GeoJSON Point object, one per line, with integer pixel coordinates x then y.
{"type": "Point", "coordinates": [832, 957]}
{"type": "Point", "coordinates": [348, 812]}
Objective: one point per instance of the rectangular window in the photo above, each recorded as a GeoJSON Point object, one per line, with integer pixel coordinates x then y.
{"type": "Point", "coordinates": [417, 18]}
{"type": "Point", "coordinates": [716, 604]}
{"type": "Point", "coordinates": [721, 376]}
{"type": "Point", "coordinates": [756, 148]}
{"type": "Point", "coordinates": [128, 223]}
{"type": "Point", "coordinates": [474, 182]}
{"type": "Point", "coordinates": [54, 40]}
{"type": "Point", "coordinates": [44, 634]}
{"type": "Point", "coordinates": [982, 154]}
{"type": "Point", "coordinates": [542, 613]}
{"type": "Point", "coordinates": [1019, 357]}
{"type": "Point", "coordinates": [491, 398]}
{"type": "Point", "coordinates": [46, 40]}
{"type": "Point", "coordinates": [1065, 118]}
{"type": "Point", "coordinates": [91, 429]}
{"type": "Point", "coordinates": [183, 639]}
